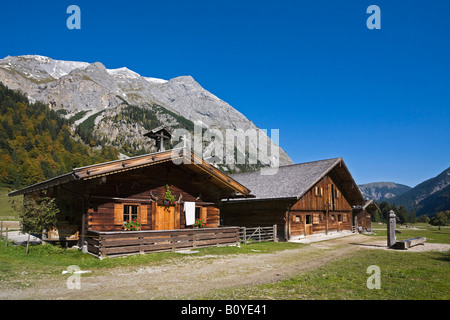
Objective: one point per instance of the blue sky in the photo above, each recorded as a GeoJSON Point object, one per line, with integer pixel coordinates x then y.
{"type": "Point", "coordinates": [312, 69]}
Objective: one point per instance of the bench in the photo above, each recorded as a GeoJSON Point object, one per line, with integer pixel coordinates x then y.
{"type": "Point", "coordinates": [405, 244]}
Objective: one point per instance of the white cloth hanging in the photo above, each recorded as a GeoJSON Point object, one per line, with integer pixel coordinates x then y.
{"type": "Point", "coordinates": [189, 210]}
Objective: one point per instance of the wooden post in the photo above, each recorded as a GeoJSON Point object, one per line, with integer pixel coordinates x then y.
{"type": "Point", "coordinates": [6, 238]}
{"type": "Point", "coordinates": [141, 244]}
{"type": "Point", "coordinates": [101, 245]}
{"type": "Point", "coordinates": [245, 235]}
{"type": "Point", "coordinates": [275, 237]}
{"type": "Point", "coordinates": [28, 244]}
{"type": "Point", "coordinates": [287, 235]}
{"type": "Point", "coordinates": [83, 232]}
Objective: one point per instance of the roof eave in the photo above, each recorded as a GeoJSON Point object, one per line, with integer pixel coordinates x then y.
{"type": "Point", "coordinates": [68, 177]}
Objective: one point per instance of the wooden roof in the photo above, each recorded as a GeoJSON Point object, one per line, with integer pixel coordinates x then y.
{"type": "Point", "coordinates": [293, 181]}
{"type": "Point", "coordinates": [184, 158]}
{"type": "Point", "coordinates": [370, 206]}
{"type": "Point", "coordinates": [158, 131]}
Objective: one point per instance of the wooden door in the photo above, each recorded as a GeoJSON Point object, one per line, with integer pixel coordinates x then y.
{"type": "Point", "coordinates": [165, 218]}
{"type": "Point", "coordinates": [308, 225]}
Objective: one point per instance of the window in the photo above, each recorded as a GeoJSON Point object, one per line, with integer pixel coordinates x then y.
{"type": "Point", "coordinates": [130, 212]}
{"type": "Point", "coordinates": [197, 213]}
{"type": "Point", "coordinates": [333, 195]}
{"type": "Point", "coordinates": [337, 193]}
{"type": "Point", "coordinates": [340, 217]}
{"type": "Point", "coordinates": [318, 191]}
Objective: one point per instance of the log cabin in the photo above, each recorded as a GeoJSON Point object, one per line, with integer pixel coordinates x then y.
{"type": "Point", "coordinates": [96, 200]}
{"type": "Point", "coordinates": [302, 199]}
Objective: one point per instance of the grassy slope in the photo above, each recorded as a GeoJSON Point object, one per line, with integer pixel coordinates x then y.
{"type": "Point", "coordinates": [6, 212]}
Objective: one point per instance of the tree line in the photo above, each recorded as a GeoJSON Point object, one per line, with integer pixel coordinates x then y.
{"type": "Point", "coordinates": [36, 143]}
{"type": "Point", "coordinates": [408, 217]}
{"type": "Point", "coordinates": [402, 214]}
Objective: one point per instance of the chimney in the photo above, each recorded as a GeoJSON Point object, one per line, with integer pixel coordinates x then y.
{"type": "Point", "coordinates": [159, 134]}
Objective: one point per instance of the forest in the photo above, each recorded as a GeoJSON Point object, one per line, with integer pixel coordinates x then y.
{"type": "Point", "coordinates": [36, 143]}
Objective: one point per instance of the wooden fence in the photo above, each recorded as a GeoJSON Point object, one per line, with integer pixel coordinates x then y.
{"type": "Point", "coordinates": [118, 243]}
{"type": "Point", "coordinates": [258, 234]}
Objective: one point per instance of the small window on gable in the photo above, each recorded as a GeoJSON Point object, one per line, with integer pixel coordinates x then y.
{"type": "Point", "coordinates": [318, 191]}
{"type": "Point", "coordinates": [337, 193]}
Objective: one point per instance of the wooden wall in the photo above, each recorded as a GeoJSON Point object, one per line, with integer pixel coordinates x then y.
{"type": "Point", "coordinates": [324, 203]}
{"type": "Point", "coordinates": [327, 208]}
{"type": "Point", "coordinates": [106, 207]}
{"type": "Point", "coordinates": [363, 220]}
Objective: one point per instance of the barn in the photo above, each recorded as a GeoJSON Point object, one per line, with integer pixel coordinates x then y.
{"type": "Point", "coordinates": [96, 202]}
{"type": "Point", "coordinates": [303, 199]}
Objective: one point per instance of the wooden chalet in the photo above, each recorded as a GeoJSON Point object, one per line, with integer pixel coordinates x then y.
{"type": "Point", "coordinates": [96, 200]}
{"type": "Point", "coordinates": [302, 199]}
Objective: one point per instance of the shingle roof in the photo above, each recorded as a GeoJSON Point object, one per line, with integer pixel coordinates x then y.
{"type": "Point", "coordinates": [291, 181]}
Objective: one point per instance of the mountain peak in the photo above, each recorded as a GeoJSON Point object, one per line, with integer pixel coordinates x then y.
{"type": "Point", "coordinates": [85, 91]}
{"type": "Point", "coordinates": [381, 191]}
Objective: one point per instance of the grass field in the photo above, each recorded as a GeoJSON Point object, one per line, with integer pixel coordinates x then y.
{"type": "Point", "coordinates": [404, 275]}
{"type": "Point", "coordinates": [6, 212]}
{"type": "Point", "coordinates": [432, 233]}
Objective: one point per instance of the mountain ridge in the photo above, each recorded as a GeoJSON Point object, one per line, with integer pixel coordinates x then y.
{"type": "Point", "coordinates": [80, 90]}
{"type": "Point", "coordinates": [381, 191]}
{"type": "Point", "coordinates": [428, 197]}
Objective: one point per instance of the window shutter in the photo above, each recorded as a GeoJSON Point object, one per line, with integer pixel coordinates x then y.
{"type": "Point", "coordinates": [315, 218]}
{"type": "Point", "coordinates": [203, 213]}
{"type": "Point", "coordinates": [118, 213]}
{"type": "Point", "coordinates": [143, 214]}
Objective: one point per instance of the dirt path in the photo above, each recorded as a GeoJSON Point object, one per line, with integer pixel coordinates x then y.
{"type": "Point", "coordinates": [194, 275]}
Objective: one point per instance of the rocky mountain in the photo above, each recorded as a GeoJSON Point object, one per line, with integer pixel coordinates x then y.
{"type": "Point", "coordinates": [114, 107]}
{"type": "Point", "coordinates": [381, 191]}
{"type": "Point", "coordinates": [428, 197]}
